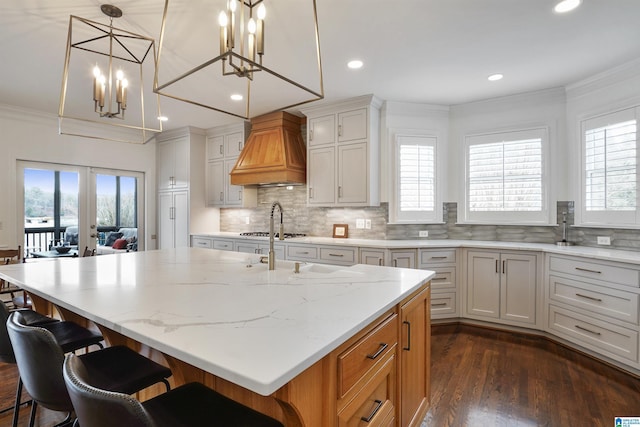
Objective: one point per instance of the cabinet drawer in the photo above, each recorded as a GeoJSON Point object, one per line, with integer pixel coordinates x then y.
{"type": "Point", "coordinates": [302, 252]}
{"type": "Point", "coordinates": [445, 278]}
{"type": "Point", "coordinates": [363, 355]}
{"type": "Point", "coordinates": [428, 257]}
{"type": "Point", "coordinates": [443, 304]}
{"type": "Point", "coordinates": [225, 245]}
{"type": "Point", "coordinates": [593, 270]}
{"type": "Point", "coordinates": [598, 299]}
{"type": "Point", "coordinates": [338, 255]}
{"type": "Point", "coordinates": [612, 340]}
{"type": "Point", "coordinates": [201, 242]}
{"type": "Point", "coordinates": [374, 403]}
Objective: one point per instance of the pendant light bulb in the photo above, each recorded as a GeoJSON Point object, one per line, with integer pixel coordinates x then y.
{"type": "Point", "coordinates": [96, 72]}
{"type": "Point", "coordinates": [262, 11]}
{"type": "Point", "coordinates": [222, 19]}
{"type": "Point", "coordinates": [233, 5]}
{"type": "Point", "coordinates": [251, 26]}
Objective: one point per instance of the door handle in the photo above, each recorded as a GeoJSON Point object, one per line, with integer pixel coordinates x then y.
{"type": "Point", "coordinates": [408, 347]}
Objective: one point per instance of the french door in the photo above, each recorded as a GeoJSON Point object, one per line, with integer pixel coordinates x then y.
{"type": "Point", "coordinates": [76, 204]}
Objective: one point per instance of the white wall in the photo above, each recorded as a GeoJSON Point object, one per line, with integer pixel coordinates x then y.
{"type": "Point", "coordinates": [33, 136]}
{"type": "Point", "coordinates": [395, 116]}
{"type": "Point", "coordinates": [613, 90]}
{"type": "Point", "coordinates": [541, 108]}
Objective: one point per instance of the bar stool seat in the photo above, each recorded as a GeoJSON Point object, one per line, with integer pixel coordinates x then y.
{"type": "Point", "coordinates": [71, 336]}
{"type": "Point", "coordinates": [190, 405]}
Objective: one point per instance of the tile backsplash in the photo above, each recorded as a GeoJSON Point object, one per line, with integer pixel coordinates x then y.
{"type": "Point", "coordinates": [317, 221]}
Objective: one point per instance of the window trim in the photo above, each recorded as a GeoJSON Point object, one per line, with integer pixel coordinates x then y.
{"type": "Point", "coordinates": [422, 217]}
{"type": "Point", "coordinates": [607, 218]}
{"type": "Point", "coordinates": [544, 217]}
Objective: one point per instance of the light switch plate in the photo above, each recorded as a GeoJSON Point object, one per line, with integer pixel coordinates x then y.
{"type": "Point", "coordinates": [423, 233]}
{"type": "Point", "coordinates": [367, 224]}
{"type": "Point", "coordinates": [359, 223]}
{"type": "Point", "coordinates": [604, 240]}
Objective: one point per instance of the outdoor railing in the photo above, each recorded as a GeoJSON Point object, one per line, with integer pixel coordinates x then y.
{"type": "Point", "coordinates": [39, 239]}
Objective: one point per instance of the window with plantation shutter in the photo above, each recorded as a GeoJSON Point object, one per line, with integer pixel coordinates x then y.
{"type": "Point", "coordinates": [609, 169]}
{"type": "Point", "coordinates": [415, 198]}
{"type": "Point", "coordinates": [505, 177]}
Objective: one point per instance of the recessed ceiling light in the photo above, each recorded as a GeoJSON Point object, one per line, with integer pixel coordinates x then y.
{"type": "Point", "coordinates": [566, 6]}
{"type": "Point", "coordinates": [163, 118]}
{"type": "Point", "coordinates": [236, 97]}
{"type": "Point", "coordinates": [495, 77]}
{"type": "Point", "coordinates": [355, 64]}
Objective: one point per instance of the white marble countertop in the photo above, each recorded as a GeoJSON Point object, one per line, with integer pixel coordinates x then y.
{"type": "Point", "coordinates": [253, 327]}
{"type": "Point", "coordinates": [583, 251]}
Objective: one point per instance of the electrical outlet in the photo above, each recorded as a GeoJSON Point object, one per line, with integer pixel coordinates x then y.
{"type": "Point", "coordinates": [359, 223]}
{"type": "Point", "coordinates": [604, 240]}
{"type": "Point", "coordinates": [423, 233]}
{"type": "Point", "coordinates": [247, 220]}
{"type": "Point", "coordinates": [367, 224]}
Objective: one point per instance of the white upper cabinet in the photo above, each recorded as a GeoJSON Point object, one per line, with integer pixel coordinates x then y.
{"type": "Point", "coordinates": [173, 163]}
{"type": "Point", "coordinates": [343, 153]}
{"type": "Point", "coordinates": [224, 145]}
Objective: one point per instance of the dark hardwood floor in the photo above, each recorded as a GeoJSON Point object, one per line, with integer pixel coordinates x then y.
{"type": "Point", "coordinates": [482, 377]}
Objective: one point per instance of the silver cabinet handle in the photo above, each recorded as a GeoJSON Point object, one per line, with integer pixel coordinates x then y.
{"type": "Point", "coordinates": [221, 149]}
{"type": "Point", "coordinates": [588, 271]}
{"type": "Point", "coordinates": [588, 297]}
{"type": "Point", "coordinates": [340, 191]}
{"type": "Point", "coordinates": [338, 255]}
{"type": "Point", "coordinates": [221, 196]}
{"type": "Point", "coordinates": [239, 146]}
{"type": "Point", "coordinates": [438, 257]}
{"type": "Point", "coordinates": [438, 304]}
{"type": "Point", "coordinates": [395, 262]}
{"type": "Point", "coordinates": [588, 330]}
{"type": "Point", "coordinates": [380, 262]}
{"type": "Point", "coordinates": [339, 130]}
{"type": "Point", "coordinates": [310, 192]}
{"type": "Point", "coordinates": [311, 135]}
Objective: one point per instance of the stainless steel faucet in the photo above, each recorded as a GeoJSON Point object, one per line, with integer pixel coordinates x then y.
{"type": "Point", "coordinates": [272, 252]}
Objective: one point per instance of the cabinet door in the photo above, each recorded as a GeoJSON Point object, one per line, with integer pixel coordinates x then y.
{"type": "Point", "coordinates": [246, 247]}
{"type": "Point", "coordinates": [321, 176]}
{"type": "Point", "coordinates": [215, 147]}
{"type": "Point", "coordinates": [181, 219]}
{"type": "Point", "coordinates": [518, 288]}
{"type": "Point", "coordinates": [165, 220]}
{"type": "Point", "coordinates": [415, 358]}
{"type": "Point", "coordinates": [352, 174]}
{"type": "Point", "coordinates": [279, 250]}
{"type": "Point", "coordinates": [404, 259]}
{"type": "Point", "coordinates": [483, 284]}
{"type": "Point", "coordinates": [372, 257]}
{"type": "Point", "coordinates": [181, 157]}
{"type": "Point", "coordinates": [233, 192]}
{"type": "Point", "coordinates": [215, 183]}
{"type": "Point", "coordinates": [352, 125]}
{"type": "Point", "coordinates": [166, 165]}
{"type": "Point", "coordinates": [322, 130]}
{"type": "Point", "coordinates": [233, 144]}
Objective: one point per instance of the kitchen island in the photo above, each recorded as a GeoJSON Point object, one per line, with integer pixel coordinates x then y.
{"type": "Point", "coordinates": [285, 343]}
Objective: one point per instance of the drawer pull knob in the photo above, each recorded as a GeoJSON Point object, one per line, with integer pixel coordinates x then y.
{"type": "Point", "coordinates": [382, 348]}
{"type": "Point", "coordinates": [408, 347]}
{"type": "Point", "coordinates": [588, 330]}
{"type": "Point", "coordinates": [588, 297]}
{"type": "Point", "coordinates": [438, 304]}
{"type": "Point", "coordinates": [588, 271]}
{"type": "Point", "coordinates": [338, 255]}
{"type": "Point", "coordinates": [374, 412]}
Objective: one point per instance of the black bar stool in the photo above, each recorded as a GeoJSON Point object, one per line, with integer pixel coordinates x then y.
{"type": "Point", "coordinates": [40, 357]}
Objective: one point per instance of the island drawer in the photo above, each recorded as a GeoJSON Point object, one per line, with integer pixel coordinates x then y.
{"type": "Point", "coordinates": [445, 278]}
{"type": "Point", "coordinates": [615, 303]}
{"type": "Point", "coordinates": [430, 257]}
{"type": "Point", "coordinates": [613, 273]}
{"type": "Point", "coordinates": [303, 253]}
{"type": "Point", "coordinates": [338, 255]}
{"type": "Point", "coordinates": [375, 402]}
{"type": "Point", "coordinates": [362, 356]}
{"type": "Point", "coordinates": [604, 337]}
{"type": "Point", "coordinates": [225, 245]}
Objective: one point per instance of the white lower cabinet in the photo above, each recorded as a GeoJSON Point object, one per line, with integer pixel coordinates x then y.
{"type": "Point", "coordinates": [173, 208]}
{"type": "Point", "coordinates": [372, 256]}
{"type": "Point", "coordinates": [259, 248]}
{"type": "Point", "coordinates": [502, 286]}
{"type": "Point", "coordinates": [404, 258]}
{"type": "Point", "coordinates": [595, 304]}
{"type": "Point", "coordinates": [444, 285]}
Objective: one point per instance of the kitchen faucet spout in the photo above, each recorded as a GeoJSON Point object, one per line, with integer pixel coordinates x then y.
{"type": "Point", "coordinates": [272, 252]}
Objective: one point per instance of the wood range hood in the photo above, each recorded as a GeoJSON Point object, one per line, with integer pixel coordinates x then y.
{"type": "Point", "coordinates": [274, 153]}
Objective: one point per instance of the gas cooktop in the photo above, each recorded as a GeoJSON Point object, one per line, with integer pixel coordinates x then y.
{"type": "Point", "coordinates": [276, 235]}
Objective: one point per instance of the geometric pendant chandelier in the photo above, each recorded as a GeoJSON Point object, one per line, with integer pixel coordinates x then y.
{"type": "Point", "coordinates": [244, 58]}
{"type": "Point", "coordinates": [103, 94]}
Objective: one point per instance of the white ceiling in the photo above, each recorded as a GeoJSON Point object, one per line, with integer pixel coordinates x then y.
{"type": "Point", "coordinates": [423, 51]}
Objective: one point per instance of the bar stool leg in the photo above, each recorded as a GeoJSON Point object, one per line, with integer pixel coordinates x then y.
{"type": "Point", "coordinates": [16, 408]}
